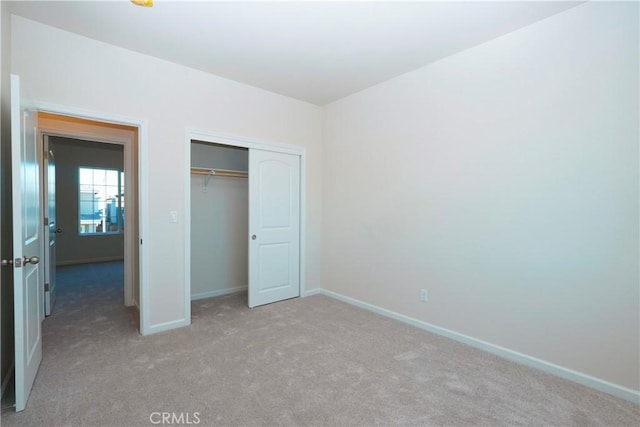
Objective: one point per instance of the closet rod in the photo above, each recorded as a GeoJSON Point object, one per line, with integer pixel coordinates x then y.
{"type": "Point", "coordinates": [219, 172]}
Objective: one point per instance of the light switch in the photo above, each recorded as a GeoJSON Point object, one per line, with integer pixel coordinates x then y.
{"type": "Point", "coordinates": [173, 216]}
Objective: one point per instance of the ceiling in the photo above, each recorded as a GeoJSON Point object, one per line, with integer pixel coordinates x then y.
{"type": "Point", "coordinates": [313, 51]}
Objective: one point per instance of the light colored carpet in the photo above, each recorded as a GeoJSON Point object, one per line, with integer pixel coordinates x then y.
{"type": "Point", "coordinates": [311, 361]}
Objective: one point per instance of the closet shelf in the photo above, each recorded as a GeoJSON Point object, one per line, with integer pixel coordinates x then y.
{"type": "Point", "coordinates": [219, 172]}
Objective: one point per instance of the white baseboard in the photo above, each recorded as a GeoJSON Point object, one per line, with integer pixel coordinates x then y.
{"type": "Point", "coordinates": [316, 291]}
{"type": "Point", "coordinates": [174, 324]}
{"type": "Point", "coordinates": [131, 303]}
{"type": "Point", "coordinates": [167, 326]}
{"type": "Point", "coordinates": [569, 374]}
{"type": "Point", "coordinates": [5, 382]}
{"type": "Point", "coordinates": [218, 292]}
{"type": "Point", "coordinates": [89, 261]}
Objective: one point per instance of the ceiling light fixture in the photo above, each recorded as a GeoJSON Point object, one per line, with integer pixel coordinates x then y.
{"type": "Point", "coordinates": [145, 3]}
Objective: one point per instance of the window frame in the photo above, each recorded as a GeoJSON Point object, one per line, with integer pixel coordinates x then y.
{"type": "Point", "coordinates": [120, 202]}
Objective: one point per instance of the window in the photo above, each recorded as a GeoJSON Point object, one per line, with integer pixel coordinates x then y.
{"type": "Point", "coordinates": [101, 200]}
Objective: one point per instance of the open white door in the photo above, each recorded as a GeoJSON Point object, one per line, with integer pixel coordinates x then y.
{"type": "Point", "coordinates": [274, 227]}
{"type": "Point", "coordinates": [50, 227]}
{"type": "Point", "coordinates": [28, 281]}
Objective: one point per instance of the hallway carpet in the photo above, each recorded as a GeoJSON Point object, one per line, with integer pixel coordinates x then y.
{"type": "Point", "coordinates": [312, 361]}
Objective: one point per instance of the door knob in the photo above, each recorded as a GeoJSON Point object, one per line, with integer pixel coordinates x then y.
{"type": "Point", "coordinates": [6, 262]}
{"type": "Point", "coordinates": [253, 237]}
{"type": "Point", "coordinates": [33, 260]}
{"type": "Point", "coordinates": [58, 230]}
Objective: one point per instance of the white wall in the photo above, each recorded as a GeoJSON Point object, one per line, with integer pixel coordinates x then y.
{"type": "Point", "coordinates": [6, 250]}
{"type": "Point", "coordinates": [71, 247]}
{"type": "Point", "coordinates": [64, 68]}
{"type": "Point", "coordinates": [503, 179]}
{"type": "Point", "coordinates": [219, 222]}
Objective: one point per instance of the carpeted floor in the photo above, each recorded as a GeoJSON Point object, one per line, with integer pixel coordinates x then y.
{"type": "Point", "coordinates": [311, 361]}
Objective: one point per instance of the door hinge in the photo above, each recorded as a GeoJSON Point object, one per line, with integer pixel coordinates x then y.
{"type": "Point", "coordinates": [46, 222]}
{"type": "Point", "coordinates": [46, 287]}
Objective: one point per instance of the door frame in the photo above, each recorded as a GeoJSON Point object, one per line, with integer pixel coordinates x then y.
{"type": "Point", "coordinates": [143, 179]}
{"type": "Point", "coordinates": [241, 142]}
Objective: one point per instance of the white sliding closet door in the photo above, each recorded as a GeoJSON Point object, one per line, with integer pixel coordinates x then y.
{"type": "Point", "coordinates": [274, 227]}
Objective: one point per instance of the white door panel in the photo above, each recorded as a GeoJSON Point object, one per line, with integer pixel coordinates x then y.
{"type": "Point", "coordinates": [27, 272]}
{"type": "Point", "coordinates": [274, 227]}
{"type": "Point", "coordinates": [275, 263]}
{"type": "Point", "coordinates": [32, 312]}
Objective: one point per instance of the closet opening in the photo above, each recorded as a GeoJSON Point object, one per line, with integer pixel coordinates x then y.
{"type": "Point", "coordinates": [244, 219]}
{"type": "Point", "coordinates": [219, 219]}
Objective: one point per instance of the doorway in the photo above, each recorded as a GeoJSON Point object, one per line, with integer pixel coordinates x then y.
{"type": "Point", "coordinates": [27, 153]}
{"type": "Point", "coordinates": [96, 165]}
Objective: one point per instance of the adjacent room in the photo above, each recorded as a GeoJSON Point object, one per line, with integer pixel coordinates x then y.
{"type": "Point", "coordinates": [89, 206]}
{"type": "Point", "coordinates": [341, 213]}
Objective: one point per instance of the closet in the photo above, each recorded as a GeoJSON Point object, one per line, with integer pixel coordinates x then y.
{"type": "Point", "coordinates": [219, 219]}
{"type": "Point", "coordinates": [245, 221]}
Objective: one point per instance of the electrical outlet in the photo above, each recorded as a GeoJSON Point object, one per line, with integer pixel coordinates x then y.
{"type": "Point", "coordinates": [424, 295]}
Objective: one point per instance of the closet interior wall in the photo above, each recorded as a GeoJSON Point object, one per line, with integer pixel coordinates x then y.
{"type": "Point", "coordinates": [219, 222]}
